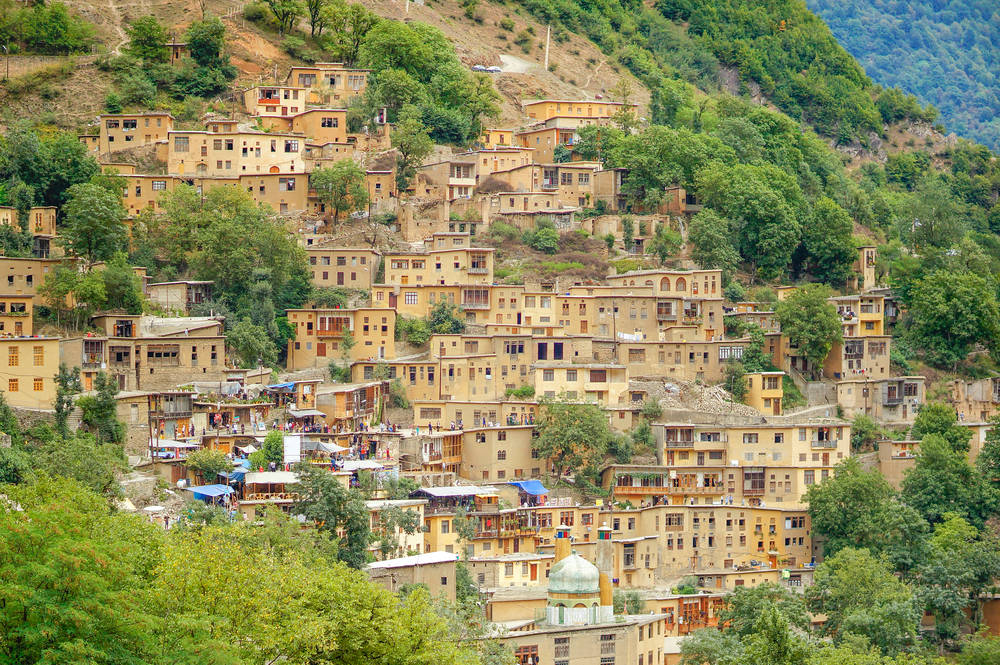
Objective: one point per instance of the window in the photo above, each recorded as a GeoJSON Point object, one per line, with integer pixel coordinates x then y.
{"type": "Point", "coordinates": [291, 146]}
{"type": "Point", "coordinates": [159, 185]}
{"type": "Point", "coordinates": [571, 375]}
{"type": "Point", "coordinates": [181, 144]}
{"type": "Point", "coordinates": [39, 355]}
{"type": "Point", "coordinates": [329, 122]}
{"type": "Point", "coordinates": [445, 526]}
{"type": "Point", "coordinates": [13, 359]}
{"type": "Point", "coordinates": [39, 384]}
{"type": "Point", "coordinates": [548, 375]}
{"type": "Point", "coordinates": [12, 385]}
{"type": "Point", "coordinates": [809, 478]}
{"type": "Point", "coordinates": [286, 184]}
{"type": "Point", "coordinates": [750, 438]}
{"type": "Point", "coordinates": [566, 178]}
{"type": "Point", "coordinates": [561, 647]}
{"type": "Point", "coordinates": [501, 455]}
{"type": "Point", "coordinates": [410, 298]}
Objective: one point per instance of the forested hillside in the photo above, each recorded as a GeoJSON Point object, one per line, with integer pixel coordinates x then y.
{"type": "Point", "coordinates": [944, 51]}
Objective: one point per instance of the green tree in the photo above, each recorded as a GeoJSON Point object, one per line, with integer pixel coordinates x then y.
{"type": "Point", "coordinates": [333, 507]}
{"type": "Point", "coordinates": [273, 447]}
{"type": "Point", "coordinates": [664, 244]}
{"type": "Point", "coordinates": [206, 40]}
{"type": "Point", "coordinates": [286, 13]}
{"type": "Point", "coordinates": [942, 481]}
{"type": "Point", "coordinates": [70, 574]}
{"type": "Point", "coordinates": [810, 322]}
{"type": "Point", "coordinates": [67, 385]}
{"type": "Point", "coordinates": [961, 567]}
{"type": "Point", "coordinates": [864, 433]}
{"type": "Point", "coordinates": [711, 244]}
{"type": "Point", "coordinates": [747, 604]}
{"type": "Point", "coordinates": [988, 461]}
{"type": "Point", "coordinates": [81, 457]}
{"type": "Point", "coordinates": [772, 643]}
{"type": "Point", "coordinates": [735, 380]}
{"type": "Point", "coordinates": [980, 650]}
{"type": "Point", "coordinates": [94, 228]}
{"type": "Point", "coordinates": [711, 646]}
{"type": "Point", "coordinates": [413, 144]}
{"type": "Point", "coordinates": [100, 411]}
{"type": "Point", "coordinates": [251, 345]}
{"type": "Point", "coordinates": [628, 232]}
{"type": "Point", "coordinates": [443, 319]}
{"type": "Point", "coordinates": [349, 26]}
{"type": "Point", "coordinates": [393, 522]}
{"type": "Point", "coordinates": [544, 240]}
{"type": "Point", "coordinates": [341, 187]}
{"type": "Point", "coordinates": [940, 418]}
{"type": "Point", "coordinates": [15, 466]}
{"type": "Point", "coordinates": [148, 40]}
{"type": "Point", "coordinates": [858, 509]}
{"type": "Point", "coordinates": [859, 595]}
{"type": "Point", "coordinates": [572, 437]}
{"type": "Point", "coordinates": [828, 238]}
{"type": "Point", "coordinates": [950, 314]}
{"type": "Point", "coordinates": [765, 207]}
{"type": "Point", "coordinates": [208, 463]}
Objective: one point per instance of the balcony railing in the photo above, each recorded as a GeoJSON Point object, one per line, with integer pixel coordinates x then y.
{"type": "Point", "coordinates": [679, 444]}
{"type": "Point", "coordinates": [478, 271]}
{"type": "Point", "coordinates": [475, 305]}
{"type": "Point", "coordinates": [816, 443]}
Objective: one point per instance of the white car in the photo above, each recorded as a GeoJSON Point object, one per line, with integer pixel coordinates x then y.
{"type": "Point", "coordinates": [494, 70]}
{"type": "Point", "coordinates": [478, 68]}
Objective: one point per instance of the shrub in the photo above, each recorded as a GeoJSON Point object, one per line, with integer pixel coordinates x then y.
{"type": "Point", "coordinates": [136, 89]}
{"type": "Point", "coordinates": [506, 23]}
{"type": "Point", "coordinates": [256, 12]}
{"type": "Point", "coordinates": [521, 392]}
{"type": "Point", "coordinates": [544, 240]}
{"type": "Point", "coordinates": [113, 103]}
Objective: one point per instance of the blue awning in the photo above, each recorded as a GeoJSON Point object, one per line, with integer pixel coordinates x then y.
{"type": "Point", "coordinates": [202, 491]}
{"type": "Point", "coordinates": [236, 475]}
{"type": "Point", "coordinates": [281, 386]}
{"type": "Point", "coordinates": [533, 487]}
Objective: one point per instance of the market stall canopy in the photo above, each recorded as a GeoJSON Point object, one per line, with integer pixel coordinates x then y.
{"type": "Point", "coordinates": [533, 487]}
{"type": "Point", "coordinates": [203, 491]}
{"type": "Point", "coordinates": [271, 477]}
{"type": "Point", "coordinates": [305, 413]}
{"type": "Point", "coordinates": [457, 490]}
{"type": "Point", "coordinates": [172, 443]}
{"type": "Point", "coordinates": [322, 447]}
{"type": "Point", "coordinates": [355, 465]}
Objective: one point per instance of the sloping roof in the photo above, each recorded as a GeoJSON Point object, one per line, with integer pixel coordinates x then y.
{"type": "Point", "coordinates": [271, 477]}
{"type": "Point", "coordinates": [456, 490]}
{"type": "Point", "coordinates": [415, 560]}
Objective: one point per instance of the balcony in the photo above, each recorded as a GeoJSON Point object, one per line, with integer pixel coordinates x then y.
{"type": "Point", "coordinates": [816, 443]}
{"type": "Point", "coordinates": [170, 415]}
{"type": "Point", "coordinates": [753, 491]}
{"type": "Point", "coordinates": [475, 305]}
{"type": "Point", "coordinates": [330, 332]}
{"type": "Point", "coordinates": [892, 400]}
{"type": "Point", "coordinates": [478, 270]}
{"type": "Point", "coordinates": [678, 444]}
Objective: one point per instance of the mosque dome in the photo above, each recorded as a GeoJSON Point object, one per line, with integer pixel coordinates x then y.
{"type": "Point", "coordinates": [574, 574]}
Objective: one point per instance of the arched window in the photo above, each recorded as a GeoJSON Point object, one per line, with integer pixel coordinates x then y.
{"type": "Point", "coordinates": [665, 284]}
{"type": "Point", "coordinates": [681, 284]}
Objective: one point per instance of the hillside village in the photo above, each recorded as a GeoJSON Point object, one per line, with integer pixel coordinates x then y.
{"type": "Point", "coordinates": [524, 377]}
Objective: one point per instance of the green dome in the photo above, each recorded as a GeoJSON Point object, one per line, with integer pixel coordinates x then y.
{"type": "Point", "coordinates": [574, 574]}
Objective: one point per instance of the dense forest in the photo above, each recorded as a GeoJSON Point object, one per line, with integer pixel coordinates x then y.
{"type": "Point", "coordinates": [944, 51]}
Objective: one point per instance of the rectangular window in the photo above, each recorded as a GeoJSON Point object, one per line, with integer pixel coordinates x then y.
{"type": "Point", "coordinates": [181, 144]}
{"type": "Point", "coordinates": [39, 355]}
{"type": "Point", "coordinates": [12, 385]}
{"type": "Point", "coordinates": [159, 185]}
{"type": "Point", "coordinates": [410, 298]}
{"type": "Point", "coordinates": [291, 146]}
{"type": "Point", "coordinates": [13, 358]}
{"type": "Point", "coordinates": [39, 384]}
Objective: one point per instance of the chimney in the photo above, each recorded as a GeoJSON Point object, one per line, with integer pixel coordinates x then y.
{"type": "Point", "coordinates": [562, 543]}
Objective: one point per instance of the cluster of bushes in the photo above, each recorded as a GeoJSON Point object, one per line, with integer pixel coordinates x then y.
{"type": "Point", "coordinates": [144, 69]}
{"type": "Point", "coordinates": [44, 28]}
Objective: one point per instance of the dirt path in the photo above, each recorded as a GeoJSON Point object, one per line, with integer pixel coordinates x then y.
{"type": "Point", "coordinates": [116, 23]}
{"type": "Point", "coordinates": [594, 73]}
